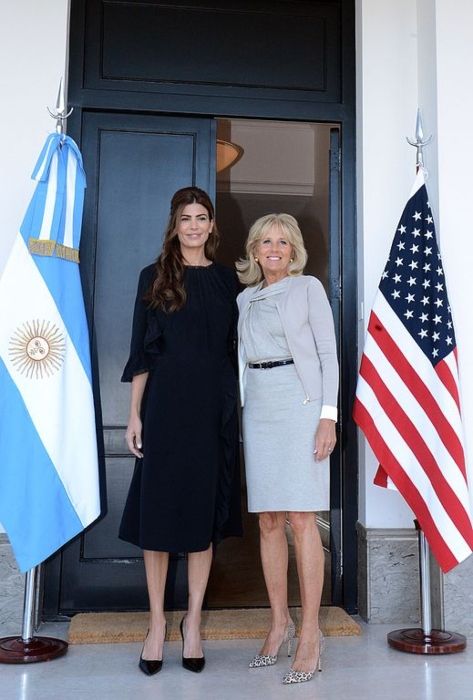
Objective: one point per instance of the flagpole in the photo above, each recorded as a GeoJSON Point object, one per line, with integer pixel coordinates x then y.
{"type": "Point", "coordinates": [425, 640]}
{"type": "Point", "coordinates": [28, 648]}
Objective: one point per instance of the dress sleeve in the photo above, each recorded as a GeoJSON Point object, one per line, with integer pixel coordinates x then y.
{"type": "Point", "coordinates": [321, 323]}
{"type": "Point", "coordinates": [139, 361]}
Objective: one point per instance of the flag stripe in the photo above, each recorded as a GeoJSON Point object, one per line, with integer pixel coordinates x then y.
{"type": "Point", "coordinates": [422, 393]}
{"type": "Point", "coordinates": [424, 458]}
{"type": "Point", "coordinates": [419, 419]}
{"type": "Point", "coordinates": [415, 478]}
{"type": "Point", "coordinates": [423, 367]}
{"type": "Point", "coordinates": [448, 375]}
{"type": "Point", "coordinates": [417, 359]}
{"type": "Point", "coordinates": [72, 165]}
{"type": "Point", "coordinates": [72, 451]}
{"type": "Point", "coordinates": [44, 158]}
{"type": "Point", "coordinates": [70, 306]}
{"type": "Point", "coordinates": [381, 477]}
{"type": "Point", "coordinates": [409, 491]}
{"type": "Point", "coordinates": [31, 491]}
{"type": "Point", "coordinates": [50, 200]}
{"type": "Point", "coordinates": [416, 475]}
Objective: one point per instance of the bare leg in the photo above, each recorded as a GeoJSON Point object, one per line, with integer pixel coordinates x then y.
{"type": "Point", "coordinates": [274, 558]}
{"type": "Point", "coordinates": [310, 567]}
{"type": "Point", "coordinates": [198, 570]}
{"type": "Point", "coordinates": [156, 566]}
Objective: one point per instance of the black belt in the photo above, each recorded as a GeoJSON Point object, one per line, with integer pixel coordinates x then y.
{"type": "Point", "coordinates": [270, 364]}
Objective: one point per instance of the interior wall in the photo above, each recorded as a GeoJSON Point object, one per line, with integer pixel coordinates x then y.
{"type": "Point", "coordinates": [387, 94]}
{"type": "Point", "coordinates": [33, 48]}
{"type": "Point", "coordinates": [284, 168]}
{"type": "Point", "coordinates": [454, 116]}
{"type": "Point", "coordinates": [33, 57]}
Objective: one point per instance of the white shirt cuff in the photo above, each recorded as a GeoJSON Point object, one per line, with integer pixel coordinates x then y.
{"type": "Point", "coordinates": [329, 412]}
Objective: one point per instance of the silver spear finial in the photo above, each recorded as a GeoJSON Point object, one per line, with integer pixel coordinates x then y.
{"type": "Point", "coordinates": [419, 142]}
{"type": "Point", "coordinates": [60, 114]}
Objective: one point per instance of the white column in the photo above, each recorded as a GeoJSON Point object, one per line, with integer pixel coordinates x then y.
{"type": "Point", "coordinates": [454, 47]}
{"type": "Point", "coordinates": [386, 50]}
{"type": "Point", "coordinates": [33, 41]}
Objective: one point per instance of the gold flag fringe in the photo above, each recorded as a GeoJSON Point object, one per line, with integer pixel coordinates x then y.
{"type": "Point", "coordinates": [66, 253]}
{"type": "Point", "coordinates": [41, 247]}
{"type": "Point", "coordinates": [49, 248]}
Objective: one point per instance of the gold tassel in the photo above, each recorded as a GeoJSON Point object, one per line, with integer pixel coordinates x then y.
{"type": "Point", "coordinates": [66, 253]}
{"type": "Point", "coordinates": [40, 246]}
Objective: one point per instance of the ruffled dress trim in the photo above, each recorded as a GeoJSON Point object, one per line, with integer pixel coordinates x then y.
{"type": "Point", "coordinates": [229, 475]}
{"type": "Point", "coordinates": [141, 361]}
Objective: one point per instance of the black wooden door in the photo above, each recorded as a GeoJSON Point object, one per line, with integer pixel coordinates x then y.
{"type": "Point", "coordinates": [134, 163]}
{"type": "Point", "coordinates": [130, 57]}
{"type": "Point", "coordinates": [335, 292]}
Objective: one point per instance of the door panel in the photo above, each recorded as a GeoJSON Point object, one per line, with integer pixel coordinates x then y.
{"type": "Point", "coordinates": [336, 540]}
{"type": "Point", "coordinates": [133, 163]}
{"type": "Point", "coordinates": [131, 47]}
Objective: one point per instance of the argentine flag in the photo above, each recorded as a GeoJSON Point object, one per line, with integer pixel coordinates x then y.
{"type": "Point", "coordinates": [49, 490]}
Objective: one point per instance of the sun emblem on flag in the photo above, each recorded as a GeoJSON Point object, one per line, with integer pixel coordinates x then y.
{"type": "Point", "coordinates": [37, 349]}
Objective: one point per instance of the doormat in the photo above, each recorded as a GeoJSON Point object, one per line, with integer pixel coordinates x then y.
{"type": "Point", "coordinates": [252, 623]}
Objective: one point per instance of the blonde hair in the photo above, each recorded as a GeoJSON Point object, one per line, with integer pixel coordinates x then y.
{"type": "Point", "coordinates": [248, 270]}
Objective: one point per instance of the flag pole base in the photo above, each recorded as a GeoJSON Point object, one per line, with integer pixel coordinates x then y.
{"type": "Point", "coordinates": [15, 650]}
{"type": "Point", "coordinates": [416, 641]}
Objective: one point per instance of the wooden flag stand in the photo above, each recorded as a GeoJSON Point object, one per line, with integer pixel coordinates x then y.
{"type": "Point", "coordinates": [28, 649]}
{"type": "Point", "coordinates": [426, 640]}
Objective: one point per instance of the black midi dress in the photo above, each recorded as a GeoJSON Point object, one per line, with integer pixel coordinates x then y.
{"type": "Point", "coordinates": [185, 491]}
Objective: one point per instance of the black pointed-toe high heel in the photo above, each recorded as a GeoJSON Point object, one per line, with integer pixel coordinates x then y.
{"type": "Point", "coordinates": [151, 666]}
{"type": "Point", "coordinates": [191, 664]}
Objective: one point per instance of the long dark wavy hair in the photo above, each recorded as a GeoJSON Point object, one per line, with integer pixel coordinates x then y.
{"type": "Point", "coordinates": [167, 291]}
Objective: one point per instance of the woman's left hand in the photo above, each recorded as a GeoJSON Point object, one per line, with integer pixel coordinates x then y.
{"type": "Point", "coordinates": [325, 439]}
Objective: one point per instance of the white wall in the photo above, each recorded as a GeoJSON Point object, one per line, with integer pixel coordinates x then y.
{"type": "Point", "coordinates": [408, 55]}
{"type": "Point", "coordinates": [454, 31]}
{"type": "Point", "coordinates": [33, 40]}
{"type": "Point", "coordinates": [386, 110]}
{"type": "Point", "coordinates": [427, 94]}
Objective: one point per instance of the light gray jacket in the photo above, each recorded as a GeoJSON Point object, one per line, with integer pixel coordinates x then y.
{"type": "Point", "coordinates": [307, 321]}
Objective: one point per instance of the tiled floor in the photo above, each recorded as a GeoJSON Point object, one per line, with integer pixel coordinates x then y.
{"type": "Point", "coordinates": [354, 668]}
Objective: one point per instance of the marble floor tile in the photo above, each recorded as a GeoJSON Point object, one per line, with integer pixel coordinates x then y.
{"type": "Point", "coordinates": [358, 668]}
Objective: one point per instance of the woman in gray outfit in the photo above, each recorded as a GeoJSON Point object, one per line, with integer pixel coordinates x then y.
{"type": "Point", "coordinates": [289, 386]}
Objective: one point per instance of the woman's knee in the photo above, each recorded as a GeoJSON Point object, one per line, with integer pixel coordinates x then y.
{"type": "Point", "coordinates": [270, 522]}
{"type": "Point", "coordinates": [301, 522]}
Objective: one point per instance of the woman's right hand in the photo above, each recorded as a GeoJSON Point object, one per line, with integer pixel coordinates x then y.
{"type": "Point", "coordinates": [133, 436]}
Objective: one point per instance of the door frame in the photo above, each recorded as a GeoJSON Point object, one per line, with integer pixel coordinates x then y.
{"type": "Point", "coordinates": [260, 106]}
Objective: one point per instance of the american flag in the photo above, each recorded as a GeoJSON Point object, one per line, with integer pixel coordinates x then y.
{"type": "Point", "coordinates": [407, 399]}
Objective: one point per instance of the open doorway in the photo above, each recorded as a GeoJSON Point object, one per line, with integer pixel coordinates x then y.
{"type": "Point", "coordinates": [284, 167]}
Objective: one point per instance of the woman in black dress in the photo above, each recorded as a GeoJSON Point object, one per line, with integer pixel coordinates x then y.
{"type": "Point", "coordinates": [184, 495]}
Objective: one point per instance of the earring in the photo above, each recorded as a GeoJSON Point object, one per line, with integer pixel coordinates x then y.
{"type": "Point", "coordinates": [256, 259]}
{"type": "Point", "coordinates": [291, 260]}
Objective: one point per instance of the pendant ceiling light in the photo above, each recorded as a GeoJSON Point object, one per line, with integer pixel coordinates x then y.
{"type": "Point", "coordinates": [228, 154]}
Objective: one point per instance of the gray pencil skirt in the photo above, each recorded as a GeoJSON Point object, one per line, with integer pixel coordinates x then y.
{"type": "Point", "coordinates": [278, 439]}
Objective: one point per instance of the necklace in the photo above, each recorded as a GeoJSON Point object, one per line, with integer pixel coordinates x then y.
{"type": "Point", "coordinates": [207, 263]}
